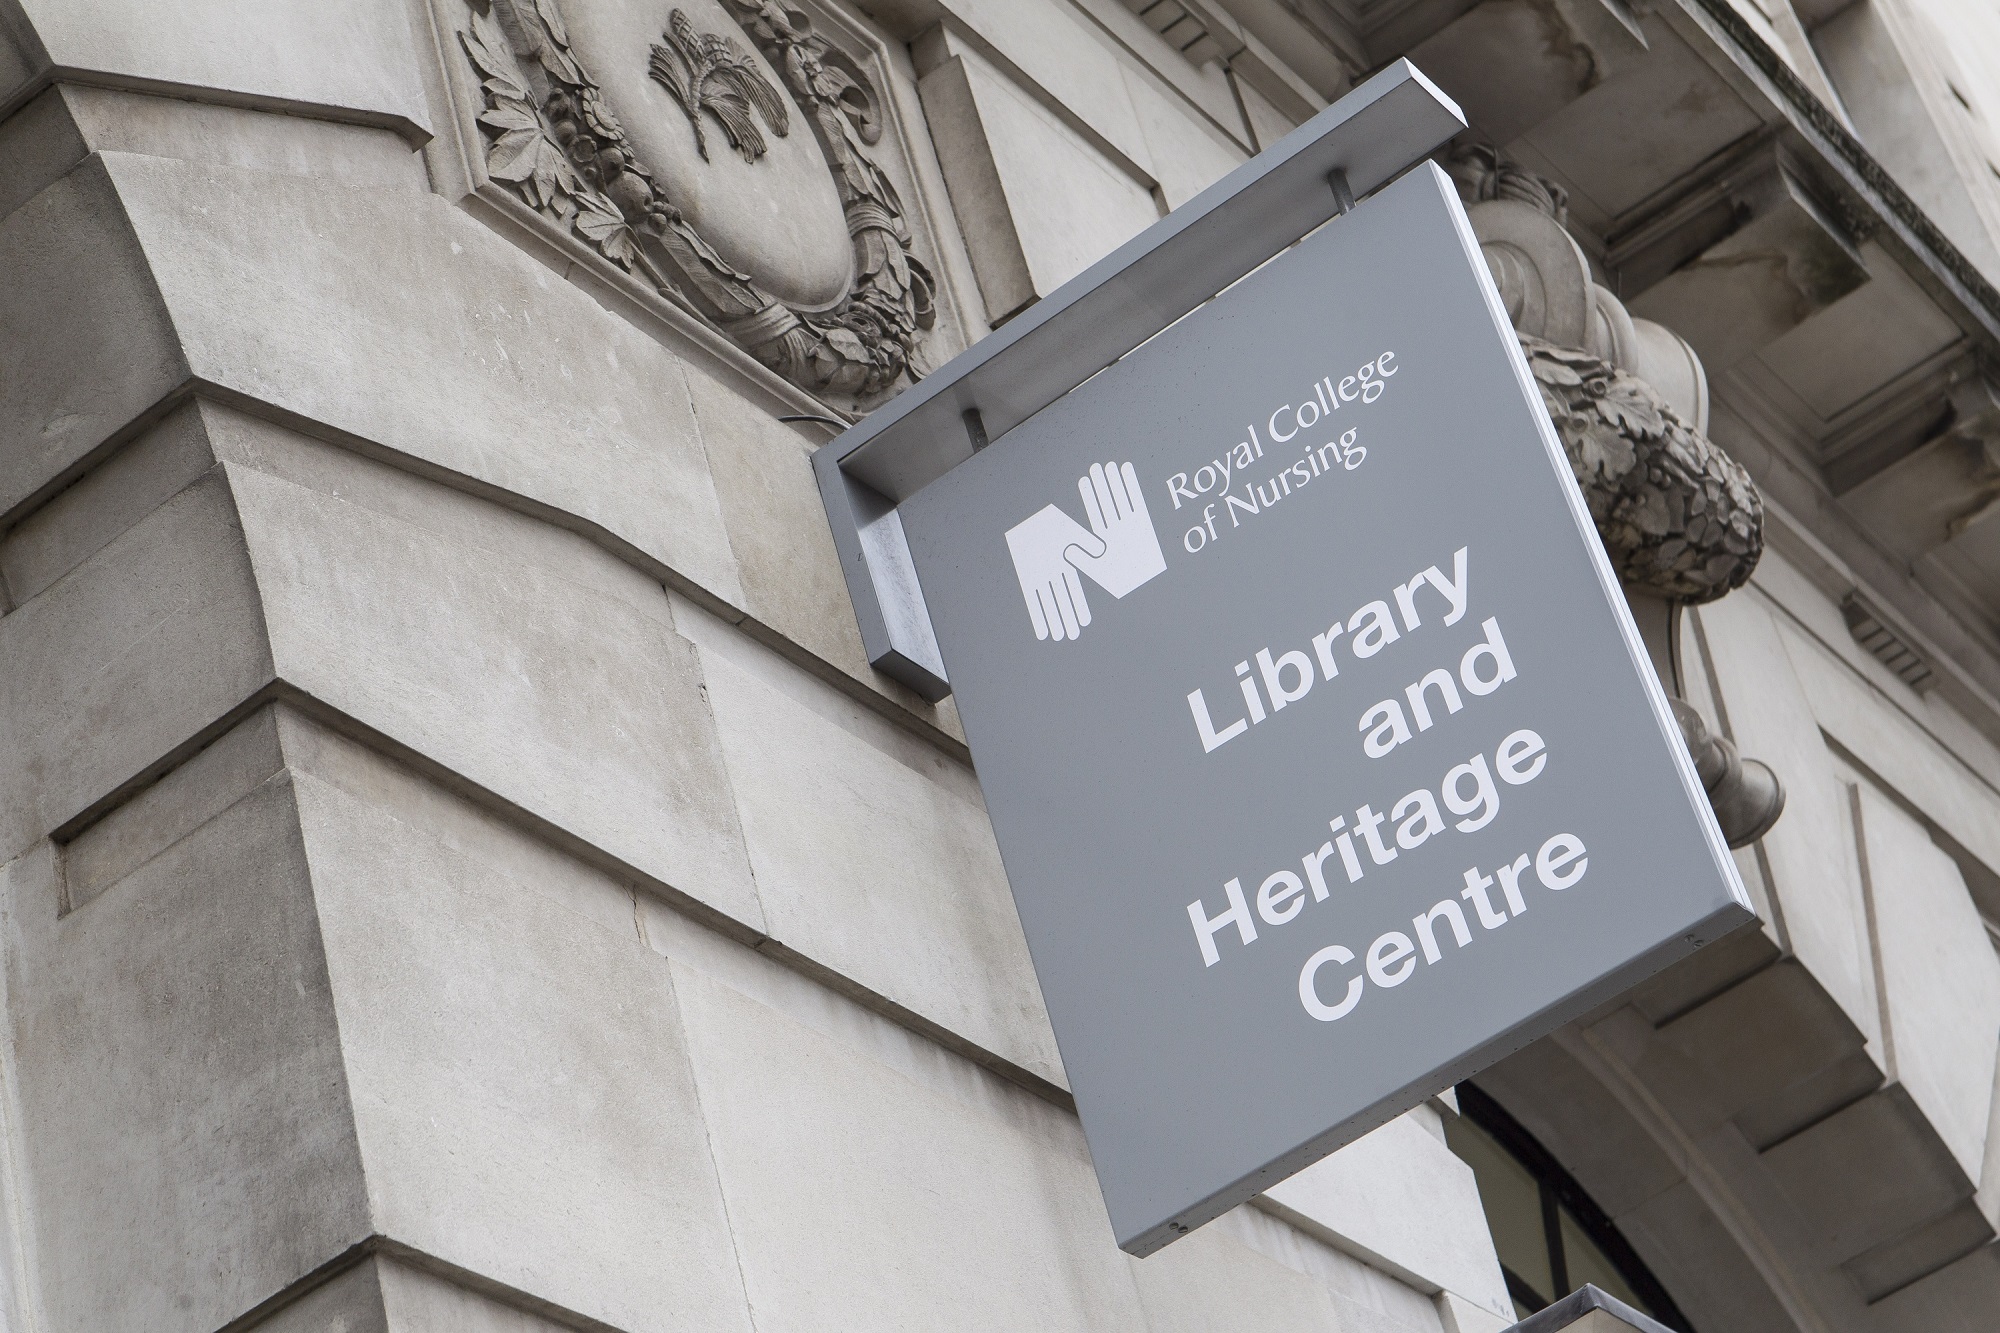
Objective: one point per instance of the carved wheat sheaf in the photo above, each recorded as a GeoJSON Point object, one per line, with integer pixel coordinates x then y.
{"type": "Point", "coordinates": [706, 72]}
{"type": "Point", "coordinates": [554, 142]}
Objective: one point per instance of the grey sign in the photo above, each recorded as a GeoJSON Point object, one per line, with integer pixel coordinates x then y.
{"type": "Point", "coordinates": [1325, 761]}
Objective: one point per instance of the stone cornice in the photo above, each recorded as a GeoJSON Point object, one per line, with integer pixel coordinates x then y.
{"type": "Point", "coordinates": [1819, 126]}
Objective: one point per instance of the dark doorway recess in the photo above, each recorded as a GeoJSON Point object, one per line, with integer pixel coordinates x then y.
{"type": "Point", "coordinates": [1551, 1236]}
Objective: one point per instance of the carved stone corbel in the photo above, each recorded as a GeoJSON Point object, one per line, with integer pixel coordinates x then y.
{"type": "Point", "coordinates": [1681, 520]}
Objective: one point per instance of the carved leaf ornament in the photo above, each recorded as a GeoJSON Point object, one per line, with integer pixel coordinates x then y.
{"type": "Point", "coordinates": [552, 139]}
{"type": "Point", "coordinates": [1677, 515]}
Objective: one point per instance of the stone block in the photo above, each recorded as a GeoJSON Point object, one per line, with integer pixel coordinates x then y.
{"type": "Point", "coordinates": [1885, 63]}
{"type": "Point", "coordinates": [21, 56]}
{"type": "Point", "coordinates": [348, 1302]}
{"type": "Point", "coordinates": [526, 389]}
{"type": "Point", "coordinates": [1211, 45]}
{"type": "Point", "coordinates": [1961, 1231]}
{"type": "Point", "coordinates": [1698, 1256]}
{"type": "Point", "coordinates": [1267, 122]}
{"type": "Point", "coordinates": [1959, 1295]}
{"type": "Point", "coordinates": [777, 529]}
{"type": "Point", "coordinates": [1459, 1315]}
{"type": "Point", "coordinates": [1184, 154]}
{"type": "Point", "coordinates": [39, 144]}
{"type": "Point", "coordinates": [1066, 204]}
{"type": "Point", "coordinates": [1657, 120]}
{"type": "Point", "coordinates": [1940, 979]}
{"type": "Point", "coordinates": [1511, 64]}
{"type": "Point", "coordinates": [188, 1147]}
{"type": "Point", "coordinates": [90, 345]}
{"type": "Point", "coordinates": [1582, 1123]}
{"type": "Point", "coordinates": [1936, 482]}
{"type": "Point", "coordinates": [162, 814]}
{"type": "Point", "coordinates": [1779, 1053]}
{"type": "Point", "coordinates": [425, 614]}
{"type": "Point", "coordinates": [111, 498]}
{"type": "Point", "coordinates": [1866, 1218]}
{"type": "Point", "coordinates": [830, 1158]}
{"type": "Point", "coordinates": [1365, 1299]}
{"type": "Point", "coordinates": [1862, 342]}
{"type": "Point", "coordinates": [125, 662]}
{"type": "Point", "coordinates": [1063, 58]}
{"type": "Point", "coordinates": [113, 120]}
{"type": "Point", "coordinates": [350, 61]}
{"type": "Point", "coordinates": [1209, 1281]}
{"type": "Point", "coordinates": [872, 850]}
{"type": "Point", "coordinates": [522, 1097]}
{"type": "Point", "coordinates": [1402, 1201]}
{"type": "Point", "coordinates": [1705, 974]}
{"type": "Point", "coordinates": [1811, 851]}
{"type": "Point", "coordinates": [416, 1301]}
{"type": "Point", "coordinates": [1911, 763]}
{"type": "Point", "coordinates": [1733, 277]}
{"type": "Point", "coordinates": [978, 196]}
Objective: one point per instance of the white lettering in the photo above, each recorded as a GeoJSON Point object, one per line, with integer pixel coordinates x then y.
{"type": "Point", "coordinates": [1391, 959]}
{"type": "Point", "coordinates": [1279, 898]}
{"type": "Point", "coordinates": [1482, 805]}
{"type": "Point", "coordinates": [1439, 679]}
{"type": "Point", "coordinates": [1210, 737]}
{"type": "Point", "coordinates": [1427, 928]}
{"type": "Point", "coordinates": [1510, 883]}
{"type": "Point", "coordinates": [1309, 987]}
{"type": "Point", "coordinates": [1387, 734]}
{"type": "Point", "coordinates": [1205, 930]}
{"type": "Point", "coordinates": [1520, 747]}
{"type": "Point", "coordinates": [1454, 589]}
{"type": "Point", "coordinates": [1493, 647]}
{"type": "Point", "coordinates": [1274, 684]}
{"type": "Point", "coordinates": [1563, 850]}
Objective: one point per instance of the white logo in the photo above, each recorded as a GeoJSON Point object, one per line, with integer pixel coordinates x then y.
{"type": "Point", "coordinates": [1119, 551]}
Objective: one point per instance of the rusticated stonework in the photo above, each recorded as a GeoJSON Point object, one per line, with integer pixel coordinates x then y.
{"type": "Point", "coordinates": [552, 137]}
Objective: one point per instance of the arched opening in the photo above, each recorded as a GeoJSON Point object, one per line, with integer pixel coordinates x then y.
{"type": "Point", "coordinates": [1550, 1235]}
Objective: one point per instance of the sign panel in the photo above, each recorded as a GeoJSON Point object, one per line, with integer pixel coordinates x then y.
{"type": "Point", "coordinates": [1324, 759]}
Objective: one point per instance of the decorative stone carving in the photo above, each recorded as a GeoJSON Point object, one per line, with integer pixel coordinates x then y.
{"type": "Point", "coordinates": [1744, 793]}
{"type": "Point", "coordinates": [707, 72]}
{"type": "Point", "coordinates": [796, 249]}
{"type": "Point", "coordinates": [1679, 517]}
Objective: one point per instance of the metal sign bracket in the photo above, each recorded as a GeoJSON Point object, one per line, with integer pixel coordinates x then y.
{"type": "Point", "coordinates": [1313, 174]}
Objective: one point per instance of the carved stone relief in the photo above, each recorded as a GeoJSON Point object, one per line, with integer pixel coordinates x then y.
{"type": "Point", "coordinates": [664, 136]}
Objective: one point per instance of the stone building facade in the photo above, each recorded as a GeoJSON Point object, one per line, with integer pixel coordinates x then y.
{"type": "Point", "coordinates": [459, 871]}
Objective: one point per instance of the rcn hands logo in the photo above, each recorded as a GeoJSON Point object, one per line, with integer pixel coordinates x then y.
{"type": "Point", "coordinates": [1119, 551]}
